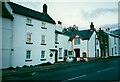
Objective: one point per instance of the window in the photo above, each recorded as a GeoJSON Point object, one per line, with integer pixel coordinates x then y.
{"type": "Point", "coordinates": [56, 37]}
{"type": "Point", "coordinates": [84, 54]}
{"type": "Point", "coordinates": [70, 53]}
{"type": "Point", "coordinates": [29, 36]}
{"type": "Point", "coordinates": [96, 41]}
{"type": "Point", "coordinates": [28, 54]}
{"type": "Point", "coordinates": [43, 54]}
{"type": "Point", "coordinates": [114, 40]}
{"type": "Point", "coordinates": [60, 52]}
{"type": "Point", "coordinates": [65, 53]}
{"type": "Point", "coordinates": [43, 26]}
{"type": "Point", "coordinates": [29, 21]}
{"type": "Point", "coordinates": [43, 39]}
{"type": "Point", "coordinates": [77, 41]}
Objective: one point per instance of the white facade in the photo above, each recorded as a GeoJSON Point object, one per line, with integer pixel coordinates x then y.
{"type": "Point", "coordinates": [89, 47]}
{"type": "Point", "coordinates": [62, 43]}
{"type": "Point", "coordinates": [114, 46]}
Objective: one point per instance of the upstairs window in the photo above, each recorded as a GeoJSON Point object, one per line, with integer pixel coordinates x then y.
{"type": "Point", "coordinates": [56, 37]}
{"type": "Point", "coordinates": [114, 40]}
{"type": "Point", "coordinates": [43, 26]}
{"type": "Point", "coordinates": [77, 41]}
{"type": "Point", "coordinates": [43, 39]}
{"type": "Point", "coordinates": [29, 21]}
{"type": "Point", "coordinates": [115, 50]}
{"type": "Point", "coordinates": [96, 41]}
{"type": "Point", "coordinates": [29, 37]}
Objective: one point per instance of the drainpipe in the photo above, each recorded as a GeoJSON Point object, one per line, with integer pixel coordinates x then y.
{"type": "Point", "coordinates": [88, 48]}
{"type": "Point", "coordinates": [95, 46]}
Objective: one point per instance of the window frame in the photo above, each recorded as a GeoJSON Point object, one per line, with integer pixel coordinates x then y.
{"type": "Point", "coordinates": [29, 21]}
{"type": "Point", "coordinates": [42, 54]}
{"type": "Point", "coordinates": [30, 37]}
{"type": "Point", "coordinates": [76, 40]}
{"type": "Point", "coordinates": [43, 40]}
{"type": "Point", "coordinates": [29, 54]}
{"type": "Point", "coordinates": [60, 52]}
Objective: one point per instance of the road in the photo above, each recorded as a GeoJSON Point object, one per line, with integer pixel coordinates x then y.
{"type": "Point", "coordinates": [100, 70]}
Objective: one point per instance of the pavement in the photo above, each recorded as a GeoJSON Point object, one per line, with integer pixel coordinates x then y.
{"type": "Point", "coordinates": [101, 69]}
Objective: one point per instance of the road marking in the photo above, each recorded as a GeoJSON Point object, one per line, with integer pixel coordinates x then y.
{"type": "Point", "coordinates": [106, 69]}
{"type": "Point", "coordinates": [74, 78]}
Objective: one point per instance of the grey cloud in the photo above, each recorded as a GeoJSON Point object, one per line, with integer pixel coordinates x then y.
{"type": "Point", "coordinates": [97, 12]}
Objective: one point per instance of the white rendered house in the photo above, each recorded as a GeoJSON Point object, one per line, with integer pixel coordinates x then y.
{"type": "Point", "coordinates": [84, 44]}
{"type": "Point", "coordinates": [114, 44]}
{"type": "Point", "coordinates": [28, 36]}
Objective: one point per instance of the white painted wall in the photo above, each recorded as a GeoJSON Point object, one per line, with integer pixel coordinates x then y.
{"type": "Point", "coordinates": [6, 39]}
{"type": "Point", "coordinates": [113, 45]}
{"type": "Point", "coordinates": [20, 36]}
{"type": "Point", "coordinates": [82, 46]}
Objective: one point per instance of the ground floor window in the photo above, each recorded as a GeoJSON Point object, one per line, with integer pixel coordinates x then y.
{"type": "Point", "coordinates": [84, 54]}
{"type": "Point", "coordinates": [65, 53]}
{"type": "Point", "coordinates": [60, 52]}
{"type": "Point", "coordinates": [42, 54]}
{"type": "Point", "coordinates": [70, 53]}
{"type": "Point", "coordinates": [28, 54]}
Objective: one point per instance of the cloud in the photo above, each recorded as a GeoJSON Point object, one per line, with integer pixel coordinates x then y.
{"type": "Point", "coordinates": [97, 12]}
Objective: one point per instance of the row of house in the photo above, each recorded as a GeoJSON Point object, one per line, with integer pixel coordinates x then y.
{"type": "Point", "coordinates": [30, 37]}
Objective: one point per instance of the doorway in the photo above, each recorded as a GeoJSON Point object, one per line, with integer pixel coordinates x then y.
{"type": "Point", "coordinates": [56, 55]}
{"type": "Point", "coordinates": [77, 52]}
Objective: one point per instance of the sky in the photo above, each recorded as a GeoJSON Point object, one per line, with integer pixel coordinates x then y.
{"type": "Point", "coordinates": [102, 13]}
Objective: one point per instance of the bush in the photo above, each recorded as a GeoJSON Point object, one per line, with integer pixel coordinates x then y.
{"type": "Point", "coordinates": [10, 68]}
{"type": "Point", "coordinates": [31, 66]}
{"type": "Point", "coordinates": [17, 67]}
{"type": "Point", "coordinates": [25, 66]}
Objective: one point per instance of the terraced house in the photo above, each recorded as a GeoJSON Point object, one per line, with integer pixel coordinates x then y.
{"type": "Point", "coordinates": [28, 36]}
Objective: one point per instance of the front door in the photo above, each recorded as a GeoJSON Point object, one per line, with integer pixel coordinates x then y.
{"type": "Point", "coordinates": [56, 56]}
{"type": "Point", "coordinates": [77, 52]}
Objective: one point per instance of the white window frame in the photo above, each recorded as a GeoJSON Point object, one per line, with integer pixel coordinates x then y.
{"type": "Point", "coordinates": [30, 54]}
{"type": "Point", "coordinates": [43, 41]}
{"type": "Point", "coordinates": [42, 54]}
{"type": "Point", "coordinates": [43, 24]}
{"type": "Point", "coordinates": [60, 52]}
{"type": "Point", "coordinates": [28, 20]}
{"type": "Point", "coordinates": [30, 38]}
{"type": "Point", "coordinates": [56, 37]}
{"type": "Point", "coordinates": [76, 41]}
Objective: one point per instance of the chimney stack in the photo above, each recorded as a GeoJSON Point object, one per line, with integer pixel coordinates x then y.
{"type": "Point", "coordinates": [59, 22]}
{"type": "Point", "coordinates": [92, 26]}
{"type": "Point", "coordinates": [45, 8]}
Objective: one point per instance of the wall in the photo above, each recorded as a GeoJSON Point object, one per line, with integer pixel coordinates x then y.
{"type": "Point", "coordinates": [6, 42]}
{"type": "Point", "coordinates": [82, 46]}
{"type": "Point", "coordinates": [20, 36]}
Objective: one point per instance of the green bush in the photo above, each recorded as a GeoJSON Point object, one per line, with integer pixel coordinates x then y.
{"type": "Point", "coordinates": [25, 66]}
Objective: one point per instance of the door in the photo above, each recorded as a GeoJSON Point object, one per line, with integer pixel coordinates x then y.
{"type": "Point", "coordinates": [112, 51]}
{"type": "Point", "coordinates": [97, 53]}
{"type": "Point", "coordinates": [56, 56]}
{"type": "Point", "coordinates": [77, 52]}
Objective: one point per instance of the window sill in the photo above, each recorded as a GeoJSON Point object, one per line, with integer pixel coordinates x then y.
{"type": "Point", "coordinates": [29, 24]}
{"type": "Point", "coordinates": [60, 57]}
{"type": "Point", "coordinates": [43, 28]}
{"type": "Point", "coordinates": [42, 59]}
{"type": "Point", "coordinates": [43, 44]}
{"type": "Point", "coordinates": [56, 42]}
{"type": "Point", "coordinates": [27, 60]}
{"type": "Point", "coordinates": [29, 43]}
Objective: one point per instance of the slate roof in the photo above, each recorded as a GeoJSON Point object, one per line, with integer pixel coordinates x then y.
{"type": "Point", "coordinates": [31, 13]}
{"type": "Point", "coordinates": [59, 32]}
{"type": "Point", "coordinates": [84, 34]}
